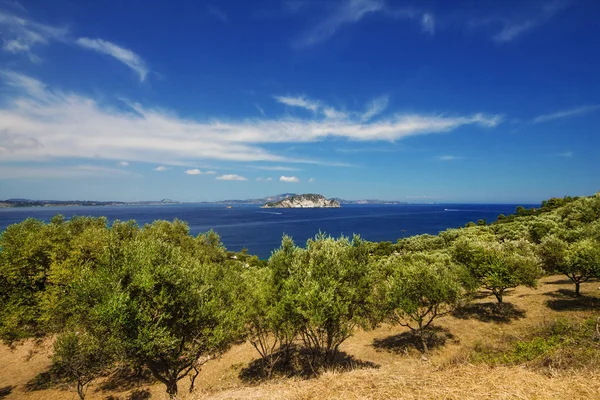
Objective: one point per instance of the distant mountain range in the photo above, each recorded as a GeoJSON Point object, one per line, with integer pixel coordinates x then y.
{"type": "Point", "coordinates": [72, 203]}
{"type": "Point", "coordinates": [260, 201]}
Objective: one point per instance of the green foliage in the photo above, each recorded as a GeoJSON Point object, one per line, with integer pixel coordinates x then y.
{"type": "Point", "coordinates": [82, 357]}
{"type": "Point", "coordinates": [163, 307]}
{"type": "Point", "coordinates": [420, 289]}
{"type": "Point", "coordinates": [579, 261]}
{"type": "Point", "coordinates": [499, 266]}
{"type": "Point", "coordinates": [330, 284]}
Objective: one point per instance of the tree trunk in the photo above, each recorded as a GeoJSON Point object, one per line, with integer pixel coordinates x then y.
{"type": "Point", "coordinates": [172, 388]}
{"type": "Point", "coordinates": [577, 284]}
{"type": "Point", "coordinates": [498, 296]}
{"type": "Point", "coordinates": [423, 340]}
{"type": "Point", "coordinates": [80, 390]}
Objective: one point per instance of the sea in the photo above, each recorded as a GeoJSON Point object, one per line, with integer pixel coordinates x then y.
{"type": "Point", "coordinates": [260, 230]}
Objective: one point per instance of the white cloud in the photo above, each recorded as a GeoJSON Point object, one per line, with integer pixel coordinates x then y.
{"type": "Point", "coordinates": [449, 158]}
{"type": "Point", "coordinates": [376, 107]}
{"type": "Point", "coordinates": [299, 101]}
{"type": "Point", "coordinates": [346, 13]}
{"type": "Point", "coordinates": [21, 35]}
{"type": "Point", "coordinates": [123, 163]}
{"type": "Point", "coordinates": [289, 179]}
{"type": "Point", "coordinates": [428, 23]}
{"type": "Point", "coordinates": [566, 113]}
{"type": "Point", "coordinates": [261, 179]}
{"type": "Point", "coordinates": [311, 180]}
{"type": "Point", "coordinates": [231, 177]}
{"type": "Point", "coordinates": [126, 56]}
{"type": "Point", "coordinates": [48, 124]}
{"type": "Point", "coordinates": [211, 172]}
{"type": "Point", "coordinates": [160, 168]}
{"type": "Point", "coordinates": [194, 171]}
{"type": "Point", "coordinates": [353, 11]}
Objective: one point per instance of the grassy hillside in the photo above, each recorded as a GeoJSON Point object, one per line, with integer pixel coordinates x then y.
{"type": "Point", "coordinates": [502, 310]}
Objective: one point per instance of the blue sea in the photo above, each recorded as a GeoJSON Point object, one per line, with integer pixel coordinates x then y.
{"type": "Point", "coordinates": [260, 230]}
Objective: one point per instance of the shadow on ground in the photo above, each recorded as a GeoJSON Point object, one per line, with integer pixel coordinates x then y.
{"type": "Point", "coordinates": [403, 342]}
{"type": "Point", "coordinates": [45, 380]}
{"type": "Point", "coordinates": [138, 394]}
{"type": "Point", "coordinates": [126, 379]}
{"type": "Point", "coordinates": [564, 281]}
{"type": "Point", "coordinates": [490, 312]}
{"type": "Point", "coordinates": [565, 300]}
{"type": "Point", "coordinates": [5, 391]}
{"type": "Point", "coordinates": [299, 363]}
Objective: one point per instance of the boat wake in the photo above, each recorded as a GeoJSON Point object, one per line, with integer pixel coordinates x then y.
{"type": "Point", "coordinates": [269, 212]}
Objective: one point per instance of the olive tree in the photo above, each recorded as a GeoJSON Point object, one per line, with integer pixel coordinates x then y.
{"type": "Point", "coordinates": [331, 284]}
{"type": "Point", "coordinates": [419, 289]}
{"type": "Point", "coordinates": [498, 267]}
{"type": "Point", "coordinates": [271, 320]}
{"type": "Point", "coordinates": [579, 261]}
{"type": "Point", "coordinates": [164, 308]}
{"type": "Point", "coordinates": [82, 357]}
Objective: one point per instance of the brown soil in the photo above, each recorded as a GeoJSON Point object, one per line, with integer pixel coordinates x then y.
{"type": "Point", "coordinates": [387, 364]}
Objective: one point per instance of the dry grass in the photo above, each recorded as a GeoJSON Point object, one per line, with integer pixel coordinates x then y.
{"type": "Point", "coordinates": [401, 373]}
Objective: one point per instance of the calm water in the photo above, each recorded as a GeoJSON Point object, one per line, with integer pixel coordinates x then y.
{"type": "Point", "coordinates": [260, 230]}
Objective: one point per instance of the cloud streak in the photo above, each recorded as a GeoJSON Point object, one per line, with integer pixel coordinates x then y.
{"type": "Point", "coordinates": [231, 177]}
{"type": "Point", "coordinates": [572, 112]}
{"type": "Point", "coordinates": [126, 56]}
{"type": "Point", "coordinates": [194, 171]}
{"type": "Point", "coordinates": [353, 11]}
{"type": "Point", "coordinates": [41, 124]}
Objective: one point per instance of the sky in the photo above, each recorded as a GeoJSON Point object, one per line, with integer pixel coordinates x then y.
{"type": "Point", "coordinates": [416, 101]}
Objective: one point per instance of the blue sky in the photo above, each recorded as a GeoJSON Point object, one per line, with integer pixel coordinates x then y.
{"type": "Point", "coordinates": [422, 101]}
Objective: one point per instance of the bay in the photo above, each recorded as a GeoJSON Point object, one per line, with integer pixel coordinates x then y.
{"type": "Point", "coordinates": [260, 230]}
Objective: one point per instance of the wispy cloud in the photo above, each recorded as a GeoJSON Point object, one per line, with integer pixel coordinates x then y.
{"type": "Point", "coordinates": [217, 13]}
{"type": "Point", "coordinates": [289, 179]}
{"type": "Point", "coordinates": [261, 179]}
{"type": "Point", "coordinates": [211, 172]}
{"type": "Point", "coordinates": [449, 158]}
{"type": "Point", "coordinates": [298, 101]}
{"type": "Point", "coordinates": [21, 35]}
{"type": "Point", "coordinates": [160, 168]}
{"type": "Point", "coordinates": [50, 123]}
{"type": "Point", "coordinates": [347, 12]}
{"type": "Point", "coordinates": [231, 177]}
{"type": "Point", "coordinates": [352, 11]}
{"type": "Point", "coordinates": [376, 107]}
{"type": "Point", "coordinates": [194, 171]}
{"type": "Point", "coordinates": [428, 23]}
{"type": "Point", "coordinates": [126, 56]}
{"type": "Point", "coordinates": [123, 164]}
{"type": "Point", "coordinates": [311, 180]}
{"type": "Point", "coordinates": [513, 27]}
{"type": "Point", "coordinates": [260, 110]}
{"type": "Point", "coordinates": [567, 113]}
{"type": "Point", "coordinates": [566, 154]}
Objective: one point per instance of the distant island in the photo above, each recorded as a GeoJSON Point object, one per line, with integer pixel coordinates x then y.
{"type": "Point", "coordinates": [79, 203]}
{"type": "Point", "coordinates": [282, 196]}
{"type": "Point", "coordinates": [304, 201]}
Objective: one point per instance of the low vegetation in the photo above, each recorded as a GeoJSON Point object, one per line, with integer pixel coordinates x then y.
{"type": "Point", "coordinates": [156, 299]}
